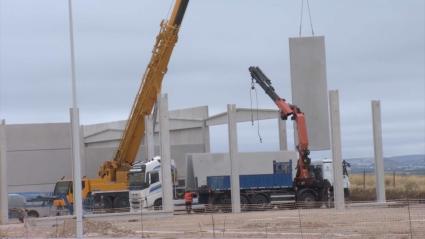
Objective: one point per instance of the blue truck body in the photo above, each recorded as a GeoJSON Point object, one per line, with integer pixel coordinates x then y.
{"type": "Point", "coordinates": [280, 178]}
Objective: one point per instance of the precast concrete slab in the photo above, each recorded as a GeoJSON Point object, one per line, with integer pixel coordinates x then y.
{"type": "Point", "coordinates": [202, 165]}
{"type": "Point", "coordinates": [41, 152]}
{"type": "Point", "coordinates": [309, 87]}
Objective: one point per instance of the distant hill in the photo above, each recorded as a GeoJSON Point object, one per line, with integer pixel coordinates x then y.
{"type": "Point", "coordinates": [406, 164]}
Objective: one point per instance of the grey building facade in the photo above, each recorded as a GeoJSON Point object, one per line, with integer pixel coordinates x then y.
{"type": "Point", "coordinates": [38, 155]}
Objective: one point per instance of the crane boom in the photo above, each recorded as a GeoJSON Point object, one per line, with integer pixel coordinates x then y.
{"type": "Point", "coordinates": [303, 168]}
{"type": "Point", "coordinates": [116, 169]}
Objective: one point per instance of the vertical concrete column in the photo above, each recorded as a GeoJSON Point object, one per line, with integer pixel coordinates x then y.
{"type": "Point", "coordinates": [83, 152]}
{"type": "Point", "coordinates": [283, 142]}
{"type": "Point", "coordinates": [4, 217]}
{"type": "Point", "coordinates": [378, 149]}
{"type": "Point", "coordinates": [233, 155]}
{"type": "Point", "coordinates": [164, 137]}
{"type": "Point", "coordinates": [76, 155]}
{"type": "Point", "coordinates": [149, 139]}
{"type": "Point", "coordinates": [336, 150]}
{"type": "Point", "coordinates": [206, 137]}
{"type": "Point", "coordinates": [75, 121]}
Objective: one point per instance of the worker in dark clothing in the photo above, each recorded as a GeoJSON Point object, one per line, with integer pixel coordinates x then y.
{"type": "Point", "coordinates": [188, 199]}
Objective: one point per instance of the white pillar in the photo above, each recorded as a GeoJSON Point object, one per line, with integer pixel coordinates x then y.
{"type": "Point", "coordinates": [76, 155]}
{"type": "Point", "coordinates": [378, 149]}
{"type": "Point", "coordinates": [283, 143]}
{"type": "Point", "coordinates": [336, 150]}
{"type": "Point", "coordinates": [83, 153]}
{"type": "Point", "coordinates": [164, 139]}
{"type": "Point", "coordinates": [149, 138]}
{"type": "Point", "coordinates": [75, 121]}
{"type": "Point", "coordinates": [4, 217]}
{"type": "Point", "coordinates": [206, 137]}
{"type": "Point", "coordinates": [233, 155]}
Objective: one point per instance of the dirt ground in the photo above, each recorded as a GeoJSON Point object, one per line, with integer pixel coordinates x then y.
{"type": "Point", "coordinates": [358, 222]}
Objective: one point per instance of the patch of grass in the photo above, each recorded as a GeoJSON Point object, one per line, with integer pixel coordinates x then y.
{"type": "Point", "coordinates": [396, 187]}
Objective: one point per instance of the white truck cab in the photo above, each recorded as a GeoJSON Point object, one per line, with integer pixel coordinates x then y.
{"type": "Point", "coordinates": [145, 184]}
{"type": "Point", "coordinates": [326, 166]}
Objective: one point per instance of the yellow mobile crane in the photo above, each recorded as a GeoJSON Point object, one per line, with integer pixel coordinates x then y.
{"type": "Point", "coordinates": [110, 190]}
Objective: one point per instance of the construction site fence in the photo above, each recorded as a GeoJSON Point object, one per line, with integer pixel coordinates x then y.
{"type": "Point", "coordinates": [393, 219]}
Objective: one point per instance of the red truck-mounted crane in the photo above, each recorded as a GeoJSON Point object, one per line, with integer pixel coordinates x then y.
{"type": "Point", "coordinates": [305, 178]}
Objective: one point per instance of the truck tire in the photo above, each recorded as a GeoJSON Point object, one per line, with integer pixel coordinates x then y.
{"type": "Point", "coordinates": [21, 214]}
{"type": "Point", "coordinates": [307, 200]}
{"type": "Point", "coordinates": [121, 202]}
{"type": "Point", "coordinates": [157, 205]}
{"type": "Point", "coordinates": [244, 203]}
{"type": "Point", "coordinates": [33, 213]}
{"type": "Point", "coordinates": [107, 202]}
{"type": "Point", "coordinates": [224, 203]}
{"type": "Point", "coordinates": [260, 201]}
{"type": "Point", "coordinates": [214, 206]}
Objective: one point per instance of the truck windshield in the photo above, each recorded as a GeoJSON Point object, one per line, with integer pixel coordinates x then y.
{"type": "Point", "coordinates": [62, 187]}
{"type": "Point", "coordinates": [137, 179]}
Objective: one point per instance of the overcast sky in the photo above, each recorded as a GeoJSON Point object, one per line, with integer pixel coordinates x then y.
{"type": "Point", "coordinates": [374, 50]}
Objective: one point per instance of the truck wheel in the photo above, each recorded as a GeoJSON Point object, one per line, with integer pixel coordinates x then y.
{"type": "Point", "coordinates": [307, 200]}
{"type": "Point", "coordinates": [33, 213]}
{"type": "Point", "coordinates": [244, 203]}
{"type": "Point", "coordinates": [260, 201]}
{"type": "Point", "coordinates": [22, 214]}
{"type": "Point", "coordinates": [157, 205]}
{"type": "Point", "coordinates": [121, 202]}
{"type": "Point", "coordinates": [225, 203]}
{"type": "Point", "coordinates": [107, 202]}
{"type": "Point", "coordinates": [330, 201]}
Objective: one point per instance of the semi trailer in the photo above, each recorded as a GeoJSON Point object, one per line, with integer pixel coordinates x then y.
{"type": "Point", "coordinates": [265, 179]}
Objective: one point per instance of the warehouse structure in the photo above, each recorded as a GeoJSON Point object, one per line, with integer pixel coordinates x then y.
{"type": "Point", "coordinates": [38, 155]}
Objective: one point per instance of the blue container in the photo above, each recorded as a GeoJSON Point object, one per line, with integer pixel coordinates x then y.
{"type": "Point", "coordinates": [281, 178]}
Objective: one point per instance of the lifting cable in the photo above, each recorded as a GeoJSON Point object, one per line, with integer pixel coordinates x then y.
{"type": "Point", "coordinates": [257, 110]}
{"type": "Point", "coordinates": [309, 15]}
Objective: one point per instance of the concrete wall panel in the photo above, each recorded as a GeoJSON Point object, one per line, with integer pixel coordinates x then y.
{"type": "Point", "coordinates": [178, 154]}
{"type": "Point", "coordinates": [95, 157]}
{"type": "Point", "coordinates": [40, 154]}
{"type": "Point", "coordinates": [38, 167]}
{"type": "Point", "coordinates": [38, 136]}
{"type": "Point", "coordinates": [218, 164]}
{"type": "Point", "coordinates": [309, 87]}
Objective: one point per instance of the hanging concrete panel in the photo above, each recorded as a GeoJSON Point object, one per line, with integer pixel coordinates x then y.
{"type": "Point", "coordinates": [309, 87]}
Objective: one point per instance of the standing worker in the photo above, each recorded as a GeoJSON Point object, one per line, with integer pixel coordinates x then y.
{"type": "Point", "coordinates": [188, 199]}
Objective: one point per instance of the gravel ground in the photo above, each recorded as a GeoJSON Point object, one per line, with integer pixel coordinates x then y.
{"type": "Point", "coordinates": [359, 222]}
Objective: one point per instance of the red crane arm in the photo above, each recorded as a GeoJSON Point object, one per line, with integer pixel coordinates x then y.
{"type": "Point", "coordinates": [286, 110]}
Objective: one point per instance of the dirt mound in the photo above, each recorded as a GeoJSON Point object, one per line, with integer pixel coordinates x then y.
{"type": "Point", "coordinates": [91, 228]}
